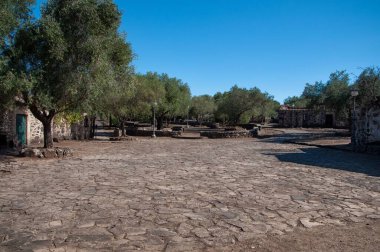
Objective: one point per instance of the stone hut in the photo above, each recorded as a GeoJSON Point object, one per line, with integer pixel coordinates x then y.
{"type": "Point", "coordinates": [366, 129]}
{"type": "Point", "coordinates": [19, 127]}
{"type": "Point", "coordinates": [290, 117]}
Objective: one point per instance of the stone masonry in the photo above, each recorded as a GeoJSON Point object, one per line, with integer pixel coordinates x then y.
{"type": "Point", "coordinates": [35, 134]}
{"type": "Point", "coordinates": [366, 129]}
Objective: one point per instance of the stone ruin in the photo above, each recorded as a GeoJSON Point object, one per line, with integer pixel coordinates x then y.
{"type": "Point", "coordinates": [366, 129]}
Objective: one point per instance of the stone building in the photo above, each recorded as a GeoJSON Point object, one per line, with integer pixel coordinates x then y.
{"type": "Point", "coordinates": [290, 117]}
{"type": "Point", "coordinates": [366, 129]}
{"type": "Point", "coordinates": [20, 127]}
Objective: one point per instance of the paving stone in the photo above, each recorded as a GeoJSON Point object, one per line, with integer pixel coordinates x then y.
{"type": "Point", "coordinates": [166, 194]}
{"type": "Point", "coordinates": [163, 232]}
{"type": "Point", "coordinates": [86, 224]}
{"type": "Point", "coordinates": [57, 223]}
{"type": "Point", "coordinates": [135, 231]}
{"type": "Point", "coordinates": [309, 224]}
{"type": "Point", "coordinates": [200, 232]}
{"type": "Point", "coordinates": [184, 229]}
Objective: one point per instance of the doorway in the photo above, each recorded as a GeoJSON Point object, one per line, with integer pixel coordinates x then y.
{"type": "Point", "coordinates": [21, 129]}
{"type": "Point", "coordinates": [329, 121]}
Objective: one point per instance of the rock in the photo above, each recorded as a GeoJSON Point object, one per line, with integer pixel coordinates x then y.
{"type": "Point", "coordinates": [201, 232]}
{"type": "Point", "coordinates": [309, 224]}
{"type": "Point", "coordinates": [49, 153]}
{"type": "Point", "coordinates": [163, 232]}
{"type": "Point", "coordinates": [135, 231]}
{"type": "Point", "coordinates": [373, 216]}
{"type": "Point", "coordinates": [86, 224]}
{"type": "Point", "coordinates": [228, 215]}
{"type": "Point", "coordinates": [184, 229]}
{"type": "Point", "coordinates": [59, 153]}
{"type": "Point", "coordinates": [30, 152]}
{"type": "Point", "coordinates": [300, 197]}
{"type": "Point", "coordinates": [56, 223]}
{"type": "Point", "coordinates": [55, 140]}
{"type": "Point", "coordinates": [67, 152]}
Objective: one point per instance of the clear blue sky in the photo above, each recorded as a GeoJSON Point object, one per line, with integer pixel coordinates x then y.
{"type": "Point", "coordinates": [276, 45]}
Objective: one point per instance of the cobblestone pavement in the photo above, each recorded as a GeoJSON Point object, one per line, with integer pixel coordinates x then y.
{"type": "Point", "coordinates": [181, 195]}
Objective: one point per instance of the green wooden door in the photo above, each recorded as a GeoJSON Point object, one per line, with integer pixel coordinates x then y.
{"type": "Point", "coordinates": [21, 129]}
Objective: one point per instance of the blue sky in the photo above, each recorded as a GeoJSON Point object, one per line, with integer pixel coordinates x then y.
{"type": "Point", "coordinates": [275, 45]}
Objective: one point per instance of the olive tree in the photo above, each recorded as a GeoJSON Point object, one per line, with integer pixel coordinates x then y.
{"type": "Point", "coordinates": [65, 59]}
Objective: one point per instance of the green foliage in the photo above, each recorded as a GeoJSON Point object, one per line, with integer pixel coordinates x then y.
{"type": "Point", "coordinates": [297, 102]}
{"type": "Point", "coordinates": [67, 60]}
{"type": "Point", "coordinates": [68, 117]}
{"type": "Point", "coordinates": [13, 14]}
{"type": "Point", "coordinates": [240, 105]}
{"type": "Point", "coordinates": [337, 94]}
{"type": "Point", "coordinates": [202, 107]}
{"type": "Point", "coordinates": [314, 94]}
{"type": "Point", "coordinates": [171, 96]}
{"type": "Point", "coordinates": [368, 84]}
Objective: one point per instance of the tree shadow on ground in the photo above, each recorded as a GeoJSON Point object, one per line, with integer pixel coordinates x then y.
{"type": "Point", "coordinates": [332, 159]}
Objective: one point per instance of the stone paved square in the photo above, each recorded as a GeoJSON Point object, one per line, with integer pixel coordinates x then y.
{"type": "Point", "coordinates": [181, 195]}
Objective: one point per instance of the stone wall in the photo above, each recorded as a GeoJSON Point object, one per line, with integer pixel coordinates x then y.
{"type": "Point", "coordinates": [295, 118]}
{"type": "Point", "coordinates": [4, 127]}
{"type": "Point", "coordinates": [366, 129]}
{"type": "Point", "coordinates": [34, 128]}
{"type": "Point", "coordinates": [229, 134]}
{"type": "Point", "coordinates": [134, 131]}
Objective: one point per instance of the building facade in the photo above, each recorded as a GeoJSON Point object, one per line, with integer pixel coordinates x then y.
{"type": "Point", "coordinates": [290, 117]}
{"type": "Point", "coordinates": [19, 127]}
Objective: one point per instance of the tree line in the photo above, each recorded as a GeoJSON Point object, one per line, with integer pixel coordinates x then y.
{"type": "Point", "coordinates": [335, 94]}
{"type": "Point", "coordinates": [73, 60]}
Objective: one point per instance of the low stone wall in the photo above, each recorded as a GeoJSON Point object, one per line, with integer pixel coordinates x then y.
{"type": "Point", "coordinates": [148, 133]}
{"type": "Point", "coordinates": [229, 134]}
{"type": "Point", "coordinates": [46, 153]}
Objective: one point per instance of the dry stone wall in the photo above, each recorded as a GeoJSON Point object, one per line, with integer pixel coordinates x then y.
{"type": "Point", "coordinates": [36, 132]}
{"type": "Point", "coordinates": [366, 129]}
{"type": "Point", "coordinates": [34, 128]}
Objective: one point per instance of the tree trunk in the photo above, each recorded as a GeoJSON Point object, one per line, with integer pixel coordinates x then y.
{"type": "Point", "coordinates": [92, 131]}
{"type": "Point", "coordinates": [160, 122]}
{"type": "Point", "coordinates": [46, 118]}
{"type": "Point", "coordinates": [48, 134]}
{"type": "Point", "coordinates": [122, 126]}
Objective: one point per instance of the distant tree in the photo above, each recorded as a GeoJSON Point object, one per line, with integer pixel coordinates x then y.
{"type": "Point", "coordinates": [296, 101]}
{"type": "Point", "coordinates": [266, 107]}
{"type": "Point", "coordinates": [202, 107]}
{"type": "Point", "coordinates": [368, 84]}
{"type": "Point", "coordinates": [117, 98]}
{"type": "Point", "coordinates": [238, 105]}
{"type": "Point", "coordinates": [170, 96]}
{"type": "Point", "coordinates": [314, 94]}
{"type": "Point", "coordinates": [66, 59]}
{"type": "Point", "coordinates": [337, 94]}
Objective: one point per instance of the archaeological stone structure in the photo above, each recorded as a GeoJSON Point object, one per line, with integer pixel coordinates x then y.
{"type": "Point", "coordinates": [366, 129]}
{"type": "Point", "coordinates": [19, 127]}
{"type": "Point", "coordinates": [289, 117]}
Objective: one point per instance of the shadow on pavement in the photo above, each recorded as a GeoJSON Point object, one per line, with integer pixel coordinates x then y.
{"type": "Point", "coordinates": [333, 159]}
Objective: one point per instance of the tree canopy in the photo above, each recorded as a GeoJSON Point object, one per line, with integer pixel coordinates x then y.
{"type": "Point", "coordinates": [169, 96]}
{"type": "Point", "coordinates": [240, 105]}
{"type": "Point", "coordinates": [66, 59]}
